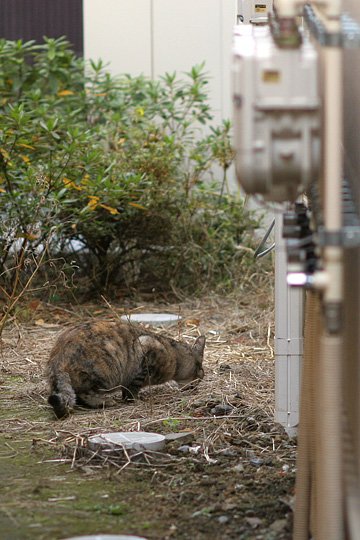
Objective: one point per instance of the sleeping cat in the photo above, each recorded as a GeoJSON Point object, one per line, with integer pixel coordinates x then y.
{"type": "Point", "coordinates": [90, 360]}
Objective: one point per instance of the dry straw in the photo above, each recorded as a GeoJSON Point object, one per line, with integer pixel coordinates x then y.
{"type": "Point", "coordinates": [239, 364]}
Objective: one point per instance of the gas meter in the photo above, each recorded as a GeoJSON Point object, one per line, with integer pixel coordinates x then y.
{"type": "Point", "coordinates": [254, 11]}
{"type": "Point", "coordinates": [276, 114]}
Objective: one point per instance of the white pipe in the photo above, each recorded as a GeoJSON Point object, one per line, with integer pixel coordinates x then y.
{"type": "Point", "coordinates": [333, 169]}
{"type": "Point", "coordinates": [329, 457]}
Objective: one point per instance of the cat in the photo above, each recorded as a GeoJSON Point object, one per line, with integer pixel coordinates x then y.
{"type": "Point", "coordinates": [92, 360]}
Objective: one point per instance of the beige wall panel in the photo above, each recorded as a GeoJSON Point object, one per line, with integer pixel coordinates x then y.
{"type": "Point", "coordinates": [190, 32]}
{"type": "Point", "coordinates": [119, 32]}
{"type": "Point", "coordinates": [229, 12]}
{"type": "Point", "coordinates": [158, 36]}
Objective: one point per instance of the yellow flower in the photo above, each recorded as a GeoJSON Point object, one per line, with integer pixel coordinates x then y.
{"type": "Point", "coordinates": [5, 153]}
{"type": "Point", "coordinates": [70, 184]}
{"type": "Point", "coordinates": [23, 145]}
{"type": "Point", "coordinates": [110, 209]}
{"type": "Point", "coordinates": [65, 93]}
{"type": "Point", "coordinates": [137, 205]}
{"type": "Point", "coordinates": [93, 202]}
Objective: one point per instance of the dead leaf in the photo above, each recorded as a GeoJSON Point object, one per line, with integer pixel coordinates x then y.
{"type": "Point", "coordinates": [34, 304]}
{"type": "Point", "coordinates": [192, 322]}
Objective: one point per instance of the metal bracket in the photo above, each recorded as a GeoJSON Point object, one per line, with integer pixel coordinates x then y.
{"type": "Point", "coordinates": [261, 250]}
{"type": "Point", "coordinates": [348, 37]}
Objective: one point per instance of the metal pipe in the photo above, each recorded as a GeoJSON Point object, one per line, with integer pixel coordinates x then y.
{"type": "Point", "coordinates": [333, 167]}
{"type": "Point", "coordinates": [329, 496]}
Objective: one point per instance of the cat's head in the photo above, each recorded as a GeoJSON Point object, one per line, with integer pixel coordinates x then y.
{"type": "Point", "coordinates": [191, 367]}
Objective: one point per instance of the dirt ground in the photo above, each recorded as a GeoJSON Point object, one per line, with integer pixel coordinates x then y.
{"type": "Point", "coordinates": [230, 476]}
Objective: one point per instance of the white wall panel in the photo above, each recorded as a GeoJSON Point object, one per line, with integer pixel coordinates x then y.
{"type": "Point", "coordinates": [228, 19]}
{"type": "Point", "coordinates": [155, 36]}
{"type": "Point", "coordinates": [188, 33]}
{"type": "Point", "coordinates": [119, 32]}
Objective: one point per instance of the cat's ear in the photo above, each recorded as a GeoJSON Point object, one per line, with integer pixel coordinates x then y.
{"type": "Point", "coordinates": [199, 345]}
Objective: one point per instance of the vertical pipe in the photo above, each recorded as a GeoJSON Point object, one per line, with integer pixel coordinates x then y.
{"type": "Point", "coordinates": [329, 496]}
{"type": "Point", "coordinates": [333, 169]}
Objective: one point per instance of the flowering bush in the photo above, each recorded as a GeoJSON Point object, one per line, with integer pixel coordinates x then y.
{"type": "Point", "coordinates": [112, 176]}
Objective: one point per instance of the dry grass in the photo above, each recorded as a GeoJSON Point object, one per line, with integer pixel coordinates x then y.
{"type": "Point", "coordinates": [239, 363]}
{"type": "Point", "coordinates": [241, 466]}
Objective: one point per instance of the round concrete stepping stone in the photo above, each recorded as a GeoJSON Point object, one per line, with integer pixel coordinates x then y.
{"type": "Point", "coordinates": [135, 440]}
{"type": "Point", "coordinates": [155, 319]}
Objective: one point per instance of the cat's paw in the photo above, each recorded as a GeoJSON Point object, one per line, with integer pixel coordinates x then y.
{"type": "Point", "coordinates": [129, 396]}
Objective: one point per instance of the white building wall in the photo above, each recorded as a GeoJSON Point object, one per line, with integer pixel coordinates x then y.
{"type": "Point", "coordinates": [157, 36]}
{"type": "Point", "coordinates": [119, 32]}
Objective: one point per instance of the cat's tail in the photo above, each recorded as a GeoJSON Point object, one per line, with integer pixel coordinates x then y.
{"type": "Point", "coordinates": [63, 398]}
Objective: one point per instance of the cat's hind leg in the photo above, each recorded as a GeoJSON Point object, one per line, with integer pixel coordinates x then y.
{"type": "Point", "coordinates": [62, 397]}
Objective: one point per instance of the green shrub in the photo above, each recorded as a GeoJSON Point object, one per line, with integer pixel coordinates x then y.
{"type": "Point", "coordinates": [110, 179]}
